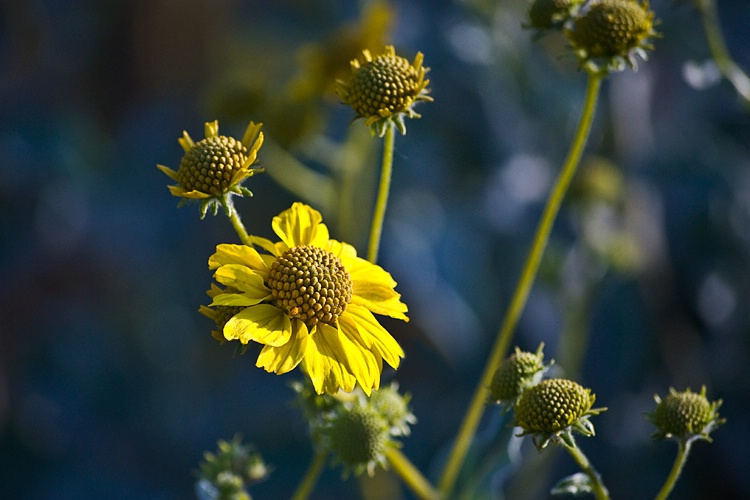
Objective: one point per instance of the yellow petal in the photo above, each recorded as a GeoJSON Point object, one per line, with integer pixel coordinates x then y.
{"type": "Point", "coordinates": [176, 190]}
{"type": "Point", "coordinates": [171, 173]}
{"type": "Point", "coordinates": [343, 251]}
{"type": "Point", "coordinates": [193, 195]}
{"type": "Point", "coordinates": [301, 225]}
{"type": "Point", "coordinates": [243, 279]}
{"type": "Point", "coordinates": [239, 175]}
{"type": "Point", "coordinates": [323, 365]}
{"type": "Point", "coordinates": [252, 139]}
{"type": "Point", "coordinates": [362, 270]}
{"type": "Point", "coordinates": [186, 141]}
{"type": "Point", "coordinates": [236, 299]}
{"type": "Point", "coordinates": [207, 311]}
{"type": "Point", "coordinates": [237, 254]}
{"type": "Point", "coordinates": [379, 299]}
{"type": "Point", "coordinates": [359, 361]}
{"type": "Point", "coordinates": [263, 323]}
{"type": "Point", "coordinates": [264, 243]}
{"type": "Point", "coordinates": [285, 358]}
{"type": "Point", "coordinates": [373, 335]}
{"type": "Point", "coordinates": [367, 364]}
{"type": "Point", "coordinates": [372, 287]}
{"type": "Point", "coordinates": [211, 129]}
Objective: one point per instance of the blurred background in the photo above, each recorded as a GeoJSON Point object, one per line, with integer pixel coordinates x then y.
{"type": "Point", "coordinates": [110, 383]}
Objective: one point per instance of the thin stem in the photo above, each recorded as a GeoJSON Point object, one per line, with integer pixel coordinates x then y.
{"type": "Point", "coordinates": [382, 200]}
{"type": "Point", "coordinates": [679, 461]}
{"type": "Point", "coordinates": [719, 51]}
{"type": "Point", "coordinates": [234, 218]}
{"type": "Point", "coordinates": [420, 486]}
{"type": "Point", "coordinates": [512, 315]}
{"type": "Point", "coordinates": [600, 491]}
{"type": "Point", "coordinates": [311, 477]}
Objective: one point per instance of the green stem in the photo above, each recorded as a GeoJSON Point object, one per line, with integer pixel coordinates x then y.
{"type": "Point", "coordinates": [600, 491]}
{"type": "Point", "coordinates": [719, 51]}
{"type": "Point", "coordinates": [476, 407]}
{"type": "Point", "coordinates": [411, 475]}
{"type": "Point", "coordinates": [311, 477]}
{"type": "Point", "coordinates": [679, 462]}
{"type": "Point", "coordinates": [234, 218]}
{"type": "Point", "coordinates": [382, 200]}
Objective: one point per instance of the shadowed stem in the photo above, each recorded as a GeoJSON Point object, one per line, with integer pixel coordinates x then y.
{"type": "Point", "coordinates": [719, 51]}
{"type": "Point", "coordinates": [512, 315]}
{"type": "Point", "coordinates": [311, 476]}
{"type": "Point", "coordinates": [376, 229]}
{"type": "Point", "coordinates": [599, 490]}
{"type": "Point", "coordinates": [411, 475]}
{"type": "Point", "coordinates": [679, 462]}
{"type": "Point", "coordinates": [234, 218]}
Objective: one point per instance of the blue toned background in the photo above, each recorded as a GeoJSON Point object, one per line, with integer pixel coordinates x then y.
{"type": "Point", "coordinates": [110, 383]}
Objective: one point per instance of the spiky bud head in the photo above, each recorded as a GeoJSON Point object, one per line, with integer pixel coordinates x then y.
{"type": "Point", "coordinates": [612, 31]}
{"type": "Point", "coordinates": [518, 372]}
{"type": "Point", "coordinates": [685, 415]}
{"type": "Point", "coordinates": [357, 436]}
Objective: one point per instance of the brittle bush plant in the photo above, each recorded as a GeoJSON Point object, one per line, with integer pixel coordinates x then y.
{"type": "Point", "coordinates": [309, 303]}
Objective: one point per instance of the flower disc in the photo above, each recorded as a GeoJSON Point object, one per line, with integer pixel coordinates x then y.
{"type": "Point", "coordinates": [311, 284]}
{"type": "Point", "coordinates": [211, 164]}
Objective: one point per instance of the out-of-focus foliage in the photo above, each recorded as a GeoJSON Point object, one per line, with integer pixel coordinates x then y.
{"type": "Point", "coordinates": [110, 383]}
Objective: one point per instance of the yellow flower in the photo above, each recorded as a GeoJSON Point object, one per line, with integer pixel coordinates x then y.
{"type": "Point", "coordinates": [384, 89]}
{"type": "Point", "coordinates": [212, 169]}
{"type": "Point", "coordinates": [309, 301]}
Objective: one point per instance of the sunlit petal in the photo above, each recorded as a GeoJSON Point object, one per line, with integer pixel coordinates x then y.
{"type": "Point", "coordinates": [367, 365]}
{"type": "Point", "coordinates": [374, 335]}
{"type": "Point", "coordinates": [327, 371]}
{"type": "Point", "coordinates": [285, 358]}
{"type": "Point", "coordinates": [265, 324]}
{"type": "Point", "coordinates": [236, 254]}
{"type": "Point", "coordinates": [243, 279]}
{"type": "Point", "coordinates": [301, 225]}
{"type": "Point", "coordinates": [264, 243]}
{"type": "Point", "coordinates": [379, 299]}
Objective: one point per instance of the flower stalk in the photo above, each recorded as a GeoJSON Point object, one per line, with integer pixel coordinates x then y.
{"type": "Point", "coordinates": [381, 202]}
{"type": "Point", "coordinates": [518, 302]}
{"type": "Point", "coordinates": [683, 451]}
{"type": "Point", "coordinates": [723, 60]}
{"type": "Point", "coordinates": [311, 476]}
{"type": "Point", "coordinates": [598, 488]}
{"type": "Point", "coordinates": [414, 479]}
{"type": "Point", "coordinates": [236, 221]}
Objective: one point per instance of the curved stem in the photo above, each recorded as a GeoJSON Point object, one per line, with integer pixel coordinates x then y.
{"type": "Point", "coordinates": [411, 475]}
{"type": "Point", "coordinates": [719, 51]}
{"type": "Point", "coordinates": [679, 462]}
{"type": "Point", "coordinates": [234, 218]}
{"type": "Point", "coordinates": [376, 229]}
{"type": "Point", "coordinates": [512, 315]}
{"type": "Point", "coordinates": [599, 490]}
{"type": "Point", "coordinates": [311, 477]}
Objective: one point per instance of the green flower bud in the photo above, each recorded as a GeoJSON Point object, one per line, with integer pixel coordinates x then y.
{"type": "Point", "coordinates": [685, 415]}
{"type": "Point", "coordinates": [393, 408]}
{"type": "Point", "coordinates": [553, 408]}
{"type": "Point", "coordinates": [384, 89]}
{"type": "Point", "coordinates": [517, 373]}
{"type": "Point", "coordinates": [357, 437]}
{"type": "Point", "coordinates": [228, 472]}
{"type": "Point", "coordinates": [612, 31]}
